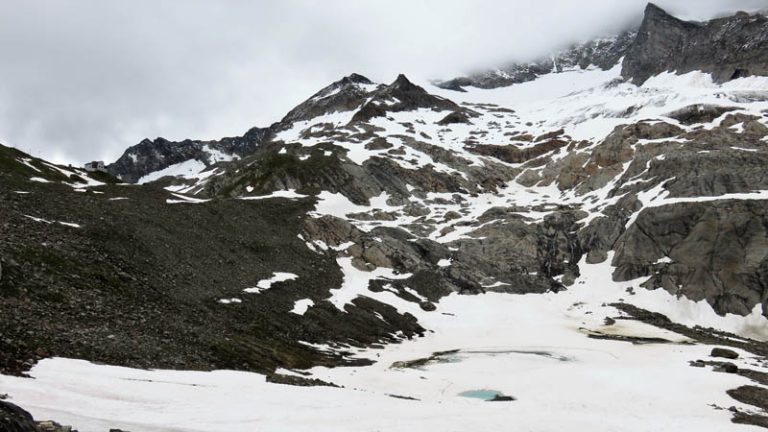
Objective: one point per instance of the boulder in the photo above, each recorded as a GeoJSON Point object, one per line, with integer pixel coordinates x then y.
{"type": "Point", "coordinates": [15, 419]}
{"type": "Point", "coordinates": [724, 353]}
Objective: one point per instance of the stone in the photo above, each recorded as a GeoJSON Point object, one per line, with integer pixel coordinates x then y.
{"type": "Point", "coordinates": [15, 419]}
{"type": "Point", "coordinates": [727, 368]}
{"type": "Point", "coordinates": [427, 306]}
{"type": "Point", "coordinates": [502, 398]}
{"type": "Point", "coordinates": [724, 353]}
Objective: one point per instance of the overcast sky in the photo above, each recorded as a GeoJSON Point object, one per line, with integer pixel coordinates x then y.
{"type": "Point", "coordinates": [84, 79]}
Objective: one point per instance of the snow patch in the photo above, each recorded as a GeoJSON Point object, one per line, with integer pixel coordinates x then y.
{"type": "Point", "coordinates": [300, 307]}
{"type": "Point", "coordinates": [289, 194]}
{"type": "Point", "coordinates": [233, 300]}
{"type": "Point", "coordinates": [266, 284]}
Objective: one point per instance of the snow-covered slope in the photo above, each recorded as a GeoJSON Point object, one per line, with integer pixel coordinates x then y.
{"type": "Point", "coordinates": [603, 53]}
{"type": "Point", "coordinates": [589, 104]}
{"type": "Point", "coordinates": [534, 348]}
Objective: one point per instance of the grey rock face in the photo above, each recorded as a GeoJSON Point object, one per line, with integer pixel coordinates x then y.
{"type": "Point", "coordinates": [714, 251]}
{"type": "Point", "coordinates": [599, 237]}
{"type": "Point", "coordinates": [527, 257]}
{"type": "Point", "coordinates": [728, 48]}
{"type": "Point", "coordinates": [701, 162]}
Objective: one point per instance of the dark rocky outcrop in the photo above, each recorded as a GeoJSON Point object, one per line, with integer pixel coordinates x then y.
{"type": "Point", "coordinates": [344, 95]}
{"type": "Point", "coordinates": [512, 154]}
{"type": "Point", "coordinates": [269, 170]}
{"type": "Point", "coordinates": [454, 118]}
{"type": "Point", "coordinates": [150, 156]}
{"type": "Point", "coordinates": [751, 395]}
{"type": "Point", "coordinates": [15, 419]}
{"type": "Point", "coordinates": [699, 113]}
{"type": "Point", "coordinates": [727, 48]}
{"type": "Point", "coordinates": [402, 95]}
{"type": "Point", "coordinates": [744, 418]}
{"type": "Point", "coordinates": [716, 251]}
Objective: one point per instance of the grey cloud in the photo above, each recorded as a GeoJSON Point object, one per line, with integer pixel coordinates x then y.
{"type": "Point", "coordinates": [84, 79]}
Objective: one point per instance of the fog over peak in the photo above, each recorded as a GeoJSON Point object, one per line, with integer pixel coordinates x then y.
{"type": "Point", "coordinates": [84, 79]}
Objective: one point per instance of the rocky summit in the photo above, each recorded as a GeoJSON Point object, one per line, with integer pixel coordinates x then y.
{"type": "Point", "coordinates": [582, 234]}
{"type": "Point", "coordinates": [727, 48]}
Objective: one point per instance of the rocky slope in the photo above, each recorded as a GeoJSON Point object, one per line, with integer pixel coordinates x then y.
{"type": "Point", "coordinates": [108, 273]}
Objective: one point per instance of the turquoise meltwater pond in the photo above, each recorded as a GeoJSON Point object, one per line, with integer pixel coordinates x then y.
{"type": "Point", "coordinates": [480, 394]}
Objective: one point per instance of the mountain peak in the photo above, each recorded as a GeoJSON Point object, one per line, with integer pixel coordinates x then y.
{"type": "Point", "coordinates": [403, 85]}
{"type": "Point", "coordinates": [356, 79]}
{"type": "Point", "coordinates": [656, 15]}
{"type": "Point", "coordinates": [666, 43]}
{"type": "Point", "coordinates": [402, 95]}
{"type": "Point", "coordinates": [653, 9]}
{"type": "Point", "coordinates": [343, 95]}
{"type": "Point", "coordinates": [403, 82]}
